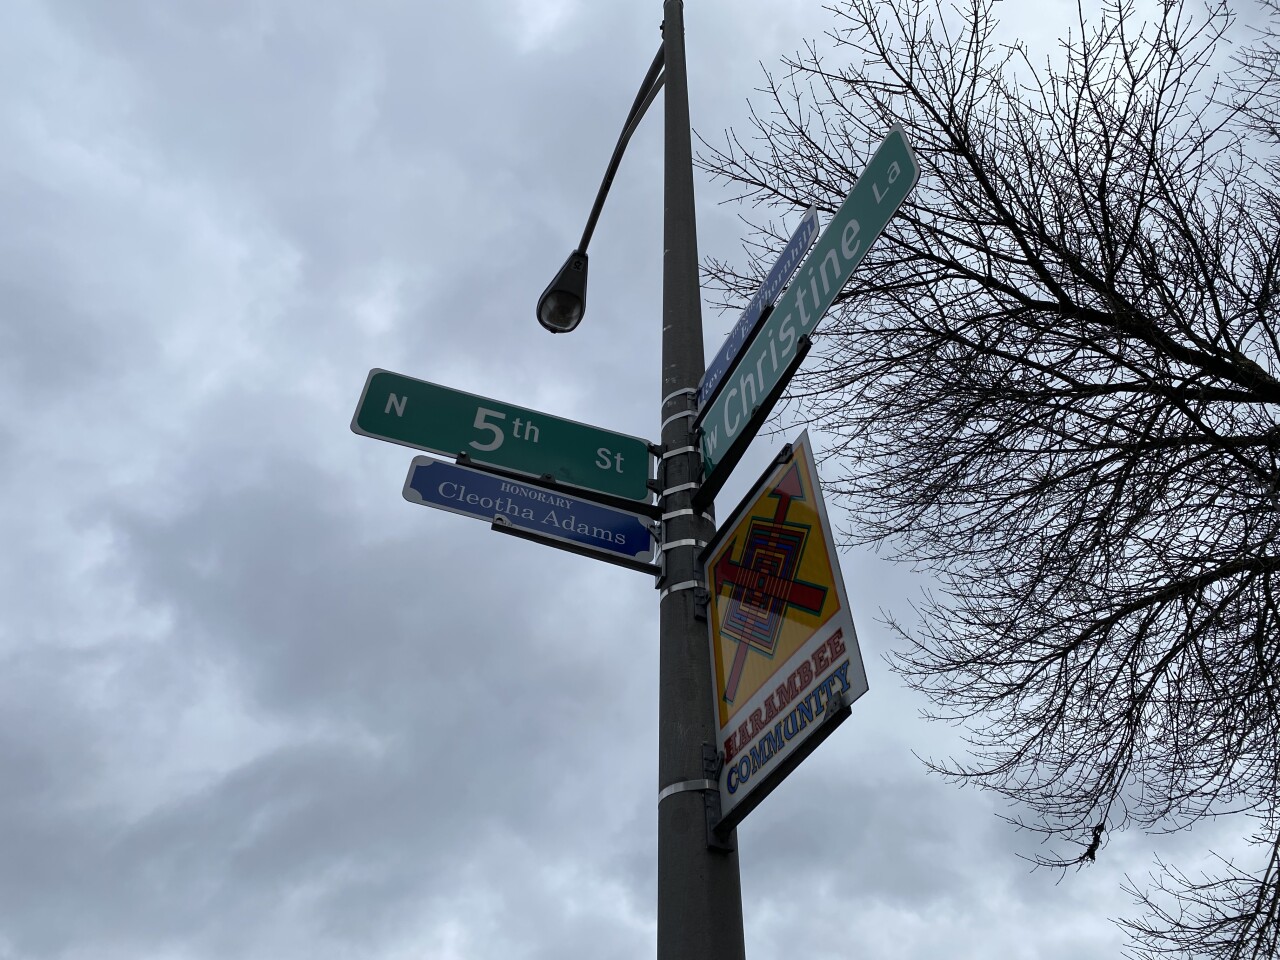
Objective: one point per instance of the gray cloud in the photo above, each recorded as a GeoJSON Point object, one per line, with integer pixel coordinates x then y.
{"type": "Point", "coordinates": [254, 704]}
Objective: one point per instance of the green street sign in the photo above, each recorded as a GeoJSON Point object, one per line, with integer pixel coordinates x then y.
{"type": "Point", "coordinates": [451, 423]}
{"type": "Point", "coordinates": [750, 389]}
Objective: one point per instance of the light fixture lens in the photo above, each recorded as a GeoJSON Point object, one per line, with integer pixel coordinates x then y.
{"type": "Point", "coordinates": [562, 304]}
{"type": "Point", "coordinates": [560, 311]}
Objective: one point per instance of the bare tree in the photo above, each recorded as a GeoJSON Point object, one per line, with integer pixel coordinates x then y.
{"type": "Point", "coordinates": [1055, 382]}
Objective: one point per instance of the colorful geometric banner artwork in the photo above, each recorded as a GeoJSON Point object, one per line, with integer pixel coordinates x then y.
{"type": "Point", "coordinates": [784, 652]}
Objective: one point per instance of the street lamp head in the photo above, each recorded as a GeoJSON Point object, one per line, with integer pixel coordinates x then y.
{"type": "Point", "coordinates": [563, 303]}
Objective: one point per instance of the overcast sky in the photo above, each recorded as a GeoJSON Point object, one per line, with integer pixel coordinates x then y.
{"type": "Point", "coordinates": [253, 704]}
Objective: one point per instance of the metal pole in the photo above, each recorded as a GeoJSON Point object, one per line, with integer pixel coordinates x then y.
{"type": "Point", "coordinates": [699, 891]}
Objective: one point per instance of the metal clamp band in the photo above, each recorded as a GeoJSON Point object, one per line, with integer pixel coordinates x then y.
{"type": "Point", "coordinates": [683, 585]}
{"type": "Point", "coordinates": [681, 489]}
{"type": "Point", "coordinates": [685, 392]}
{"type": "Point", "coordinates": [686, 512]}
{"type": "Point", "coordinates": [689, 414]}
{"type": "Point", "coordinates": [679, 451]}
{"type": "Point", "coordinates": [684, 543]}
{"type": "Point", "coordinates": [685, 786]}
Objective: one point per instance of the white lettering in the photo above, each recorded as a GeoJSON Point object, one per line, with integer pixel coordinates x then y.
{"type": "Point", "coordinates": [787, 335]}
{"type": "Point", "coordinates": [482, 422]}
{"type": "Point", "coordinates": [847, 237]}
{"type": "Point", "coordinates": [709, 441]}
{"type": "Point", "coordinates": [730, 430]}
{"type": "Point", "coordinates": [744, 383]}
{"type": "Point", "coordinates": [834, 261]}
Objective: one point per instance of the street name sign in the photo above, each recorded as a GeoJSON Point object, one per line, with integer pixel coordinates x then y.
{"type": "Point", "coordinates": [452, 423]}
{"type": "Point", "coordinates": [738, 409]}
{"type": "Point", "coordinates": [745, 328]}
{"type": "Point", "coordinates": [785, 664]}
{"type": "Point", "coordinates": [525, 508]}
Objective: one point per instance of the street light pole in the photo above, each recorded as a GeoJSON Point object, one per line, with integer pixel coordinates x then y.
{"type": "Point", "coordinates": [699, 890]}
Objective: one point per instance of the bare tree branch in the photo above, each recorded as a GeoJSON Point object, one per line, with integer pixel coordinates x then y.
{"type": "Point", "coordinates": [1055, 381]}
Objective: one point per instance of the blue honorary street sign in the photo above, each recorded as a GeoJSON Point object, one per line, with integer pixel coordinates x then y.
{"type": "Point", "coordinates": [765, 297]}
{"type": "Point", "coordinates": [529, 510]}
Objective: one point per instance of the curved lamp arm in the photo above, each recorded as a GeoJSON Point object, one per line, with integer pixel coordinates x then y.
{"type": "Point", "coordinates": [563, 303]}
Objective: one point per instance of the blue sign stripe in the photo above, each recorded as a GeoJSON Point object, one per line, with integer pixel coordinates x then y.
{"type": "Point", "coordinates": [546, 513]}
{"type": "Point", "coordinates": [787, 263]}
